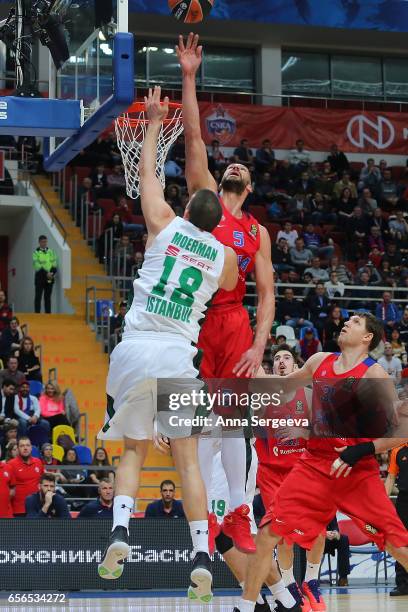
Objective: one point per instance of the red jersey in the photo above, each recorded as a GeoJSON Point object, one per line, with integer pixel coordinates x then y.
{"type": "Point", "coordinates": [243, 236]}
{"type": "Point", "coordinates": [27, 478]}
{"type": "Point", "coordinates": [6, 482]}
{"type": "Point", "coordinates": [331, 398]}
{"type": "Point", "coordinates": [283, 455]}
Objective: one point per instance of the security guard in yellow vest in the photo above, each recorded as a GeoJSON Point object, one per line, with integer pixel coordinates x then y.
{"type": "Point", "coordinates": [45, 265]}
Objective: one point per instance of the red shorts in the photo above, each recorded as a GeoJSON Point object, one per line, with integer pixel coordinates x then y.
{"type": "Point", "coordinates": [308, 501]}
{"type": "Point", "coordinates": [225, 335]}
{"type": "Point", "coordinates": [269, 480]}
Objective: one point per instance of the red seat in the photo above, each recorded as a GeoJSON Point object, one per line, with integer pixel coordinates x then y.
{"type": "Point", "coordinates": [93, 226]}
{"type": "Point", "coordinates": [138, 219]}
{"type": "Point", "coordinates": [357, 166]}
{"type": "Point", "coordinates": [272, 229]}
{"type": "Point", "coordinates": [259, 212]}
{"type": "Point", "coordinates": [82, 173]}
{"type": "Point", "coordinates": [107, 206]}
{"type": "Point", "coordinates": [397, 172]}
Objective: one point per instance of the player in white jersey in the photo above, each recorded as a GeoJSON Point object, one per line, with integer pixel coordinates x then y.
{"type": "Point", "coordinates": [184, 265]}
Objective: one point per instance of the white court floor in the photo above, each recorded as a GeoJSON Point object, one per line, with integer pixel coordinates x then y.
{"type": "Point", "coordinates": [361, 600]}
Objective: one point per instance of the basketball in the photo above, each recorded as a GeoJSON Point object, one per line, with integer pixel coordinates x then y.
{"type": "Point", "coordinates": [190, 11]}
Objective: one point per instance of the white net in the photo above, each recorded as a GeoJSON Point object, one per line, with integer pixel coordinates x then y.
{"type": "Point", "coordinates": [130, 132]}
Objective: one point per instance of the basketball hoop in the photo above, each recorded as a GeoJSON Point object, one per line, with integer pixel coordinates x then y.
{"type": "Point", "coordinates": [131, 131]}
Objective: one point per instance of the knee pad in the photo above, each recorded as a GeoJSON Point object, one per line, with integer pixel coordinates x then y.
{"type": "Point", "coordinates": [223, 543]}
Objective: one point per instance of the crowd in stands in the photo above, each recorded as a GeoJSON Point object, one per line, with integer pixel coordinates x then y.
{"type": "Point", "coordinates": [338, 228]}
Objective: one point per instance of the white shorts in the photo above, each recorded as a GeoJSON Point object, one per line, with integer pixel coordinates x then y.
{"type": "Point", "coordinates": [218, 494]}
{"type": "Point", "coordinates": [136, 364]}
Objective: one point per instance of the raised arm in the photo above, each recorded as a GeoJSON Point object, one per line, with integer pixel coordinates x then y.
{"type": "Point", "coordinates": [156, 211]}
{"type": "Point", "coordinates": [229, 277]}
{"type": "Point", "coordinates": [197, 174]}
{"type": "Point", "coordinates": [250, 361]}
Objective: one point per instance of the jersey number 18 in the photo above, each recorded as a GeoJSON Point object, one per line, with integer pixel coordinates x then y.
{"type": "Point", "coordinates": [190, 280]}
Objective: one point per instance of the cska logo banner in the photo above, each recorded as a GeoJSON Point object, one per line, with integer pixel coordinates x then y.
{"type": "Point", "coordinates": [220, 124]}
{"type": "Point", "coordinates": [354, 131]}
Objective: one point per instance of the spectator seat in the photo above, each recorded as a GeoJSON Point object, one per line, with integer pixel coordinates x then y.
{"type": "Point", "coordinates": [35, 452]}
{"type": "Point", "coordinates": [58, 452]}
{"type": "Point", "coordinates": [38, 435]}
{"type": "Point", "coordinates": [139, 219]}
{"type": "Point", "coordinates": [84, 454]}
{"type": "Point", "coordinates": [83, 172]}
{"type": "Point", "coordinates": [62, 430]}
{"type": "Point", "coordinates": [361, 544]}
{"type": "Point", "coordinates": [288, 332]}
{"type": "Point", "coordinates": [36, 387]}
{"type": "Point", "coordinates": [260, 214]}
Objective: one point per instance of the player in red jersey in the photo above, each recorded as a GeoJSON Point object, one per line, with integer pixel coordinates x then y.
{"type": "Point", "coordinates": [7, 490]}
{"type": "Point", "coordinates": [26, 471]}
{"type": "Point", "coordinates": [229, 347]}
{"type": "Point", "coordinates": [277, 456]}
{"type": "Point", "coordinates": [334, 473]}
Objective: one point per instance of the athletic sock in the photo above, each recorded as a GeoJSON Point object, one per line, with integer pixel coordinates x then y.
{"type": "Point", "coordinates": [259, 599]}
{"type": "Point", "coordinates": [234, 462]}
{"type": "Point", "coordinates": [280, 592]}
{"type": "Point", "coordinates": [199, 536]}
{"type": "Point", "coordinates": [287, 575]}
{"type": "Point", "coordinates": [312, 571]}
{"type": "Point", "coordinates": [122, 511]}
{"type": "Point", "coordinates": [246, 606]}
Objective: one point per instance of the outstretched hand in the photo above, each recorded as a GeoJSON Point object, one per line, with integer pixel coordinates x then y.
{"type": "Point", "coordinates": [189, 54]}
{"type": "Point", "coordinates": [156, 111]}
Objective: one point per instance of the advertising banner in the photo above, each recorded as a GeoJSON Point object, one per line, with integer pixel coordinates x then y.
{"type": "Point", "coordinates": [391, 15]}
{"type": "Point", "coordinates": [353, 131]}
{"type": "Point", "coordinates": [62, 556]}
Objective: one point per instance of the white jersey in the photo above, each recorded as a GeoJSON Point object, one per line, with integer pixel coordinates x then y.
{"type": "Point", "coordinates": [178, 278]}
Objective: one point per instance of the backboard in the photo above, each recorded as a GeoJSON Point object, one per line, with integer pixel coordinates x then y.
{"type": "Point", "coordinates": [99, 72]}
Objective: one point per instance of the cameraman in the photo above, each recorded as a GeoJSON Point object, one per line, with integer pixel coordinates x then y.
{"type": "Point", "coordinates": [46, 503]}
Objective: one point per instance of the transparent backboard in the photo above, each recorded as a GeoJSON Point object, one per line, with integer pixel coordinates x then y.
{"type": "Point", "coordinates": [88, 74]}
{"type": "Point", "coordinates": [90, 25]}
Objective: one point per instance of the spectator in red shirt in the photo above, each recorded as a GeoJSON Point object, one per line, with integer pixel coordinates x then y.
{"type": "Point", "coordinates": [6, 313]}
{"type": "Point", "coordinates": [26, 471]}
{"type": "Point", "coordinates": [6, 490]}
{"type": "Point", "coordinates": [125, 214]}
{"type": "Point", "coordinates": [309, 345]}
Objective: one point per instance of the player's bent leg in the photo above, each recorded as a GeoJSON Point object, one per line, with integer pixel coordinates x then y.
{"type": "Point", "coordinates": [285, 561]}
{"type": "Point", "coordinates": [259, 568]}
{"type": "Point", "coordinates": [126, 487]}
{"type": "Point", "coordinates": [237, 563]}
{"type": "Point", "coordinates": [206, 451]}
{"type": "Point", "coordinates": [400, 554]}
{"type": "Point", "coordinates": [185, 457]}
{"type": "Point", "coordinates": [237, 524]}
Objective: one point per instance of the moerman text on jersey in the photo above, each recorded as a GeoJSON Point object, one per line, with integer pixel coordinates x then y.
{"type": "Point", "coordinates": [195, 246]}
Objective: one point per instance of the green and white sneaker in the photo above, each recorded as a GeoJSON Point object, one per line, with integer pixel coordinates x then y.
{"type": "Point", "coordinates": [200, 589]}
{"type": "Point", "coordinates": [111, 566]}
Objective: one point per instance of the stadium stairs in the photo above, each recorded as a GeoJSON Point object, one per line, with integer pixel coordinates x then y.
{"type": "Point", "coordinates": [69, 345]}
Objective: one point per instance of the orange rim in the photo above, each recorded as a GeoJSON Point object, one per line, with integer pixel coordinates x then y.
{"type": "Point", "coordinates": [139, 107]}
